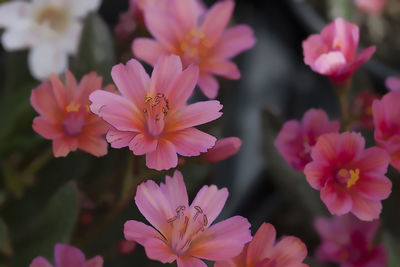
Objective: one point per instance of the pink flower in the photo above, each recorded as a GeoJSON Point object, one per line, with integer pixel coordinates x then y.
{"type": "Point", "coordinates": [263, 251]}
{"type": "Point", "coordinates": [350, 177]}
{"type": "Point", "coordinates": [151, 115]}
{"type": "Point", "coordinates": [333, 52]}
{"type": "Point", "coordinates": [349, 242]}
{"type": "Point", "coordinates": [127, 22]}
{"type": "Point", "coordinates": [295, 140]}
{"type": "Point", "coordinates": [386, 114]}
{"type": "Point", "coordinates": [182, 232]}
{"type": "Point", "coordinates": [67, 256]}
{"type": "Point", "coordinates": [393, 83]}
{"type": "Point", "coordinates": [65, 116]}
{"type": "Point", "coordinates": [224, 148]}
{"type": "Point", "coordinates": [198, 39]}
{"type": "Point", "coordinates": [362, 109]}
{"type": "Point", "coordinates": [374, 7]}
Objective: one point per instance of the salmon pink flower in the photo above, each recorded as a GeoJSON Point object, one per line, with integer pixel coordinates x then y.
{"type": "Point", "coordinates": [386, 114]}
{"type": "Point", "coordinates": [68, 256]}
{"type": "Point", "coordinates": [374, 7]}
{"type": "Point", "coordinates": [349, 242]}
{"type": "Point", "coordinates": [151, 116]}
{"type": "Point", "coordinates": [350, 177]}
{"type": "Point", "coordinates": [393, 83]}
{"type": "Point", "coordinates": [295, 140]}
{"type": "Point", "coordinates": [334, 52]}
{"type": "Point", "coordinates": [65, 116]}
{"type": "Point", "coordinates": [198, 39]}
{"type": "Point", "coordinates": [263, 251]}
{"type": "Point", "coordinates": [184, 233]}
{"type": "Point", "coordinates": [224, 148]}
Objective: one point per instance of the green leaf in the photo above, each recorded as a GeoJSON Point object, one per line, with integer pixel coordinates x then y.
{"type": "Point", "coordinates": [393, 248]}
{"type": "Point", "coordinates": [55, 225]}
{"type": "Point", "coordinates": [5, 245]}
{"type": "Point", "coordinates": [96, 49]}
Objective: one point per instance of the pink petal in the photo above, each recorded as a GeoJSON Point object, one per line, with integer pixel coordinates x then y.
{"type": "Point", "coordinates": [325, 148]}
{"type": "Point", "coordinates": [216, 19]}
{"type": "Point", "coordinates": [361, 58]}
{"type": "Point", "coordinates": [139, 232]}
{"type": "Point", "coordinates": [336, 198]}
{"type": "Point", "coordinates": [68, 256]}
{"type": "Point", "coordinates": [95, 145]}
{"type": "Point", "coordinates": [208, 85]}
{"type": "Point", "coordinates": [350, 146]}
{"type": "Point", "coordinates": [117, 111]}
{"type": "Point", "coordinates": [193, 115]}
{"type": "Point", "coordinates": [393, 83]}
{"type": "Point", "coordinates": [132, 81]}
{"type": "Point", "coordinates": [315, 122]}
{"type": "Point", "coordinates": [182, 88]}
{"type": "Point", "coordinates": [43, 101]}
{"type": "Point", "coordinates": [261, 245]}
{"type": "Point", "coordinates": [373, 187]}
{"type": "Point", "coordinates": [316, 174]}
{"type": "Point", "coordinates": [142, 144]}
{"type": "Point", "coordinates": [154, 206]}
{"type": "Point", "coordinates": [226, 69]}
{"type": "Point", "coordinates": [234, 41]}
{"type": "Point", "coordinates": [224, 148]}
{"type": "Point", "coordinates": [148, 50]}
{"type": "Point", "coordinates": [185, 13]}
{"type": "Point", "coordinates": [163, 158]}
{"type": "Point", "coordinates": [95, 127]}
{"type": "Point", "coordinates": [62, 146]}
{"type": "Point", "coordinates": [40, 262]}
{"type": "Point", "coordinates": [211, 201]}
{"type": "Point", "coordinates": [89, 83]}
{"type": "Point", "coordinates": [329, 63]}
{"type": "Point", "coordinates": [223, 240]}
{"type": "Point", "coordinates": [48, 128]}
{"type": "Point", "coordinates": [312, 48]}
{"type": "Point", "coordinates": [190, 262]}
{"type": "Point", "coordinates": [374, 160]}
{"type": "Point", "coordinates": [365, 209]}
{"type": "Point", "coordinates": [289, 251]}
{"type": "Point", "coordinates": [191, 142]}
{"type": "Point", "coordinates": [96, 261]}
{"type": "Point", "coordinates": [156, 249]}
{"type": "Point", "coordinates": [166, 70]}
{"type": "Point", "coordinates": [174, 190]}
{"type": "Point", "coordinates": [60, 93]}
{"type": "Point", "coordinates": [119, 139]}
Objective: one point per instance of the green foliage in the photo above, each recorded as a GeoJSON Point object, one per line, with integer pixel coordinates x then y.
{"type": "Point", "coordinates": [393, 249]}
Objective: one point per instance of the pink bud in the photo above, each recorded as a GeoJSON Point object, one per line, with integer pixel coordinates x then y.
{"type": "Point", "coordinates": [126, 247]}
{"type": "Point", "coordinates": [223, 149]}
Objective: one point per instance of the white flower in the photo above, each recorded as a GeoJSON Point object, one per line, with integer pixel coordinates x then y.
{"type": "Point", "coordinates": [50, 28]}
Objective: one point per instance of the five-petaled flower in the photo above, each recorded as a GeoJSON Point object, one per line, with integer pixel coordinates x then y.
{"type": "Point", "coordinates": [350, 177]}
{"type": "Point", "coordinates": [184, 233]}
{"type": "Point", "coordinates": [198, 39]}
{"type": "Point", "coordinates": [263, 251]}
{"type": "Point", "coordinates": [65, 116]}
{"type": "Point", "coordinates": [334, 52]}
{"type": "Point", "coordinates": [68, 256]}
{"type": "Point", "coordinates": [151, 115]}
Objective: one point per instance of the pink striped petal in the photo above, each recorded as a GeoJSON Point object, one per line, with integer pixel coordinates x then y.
{"type": "Point", "coordinates": [148, 50]}
{"type": "Point", "coordinates": [374, 160]}
{"type": "Point", "coordinates": [167, 69]}
{"type": "Point", "coordinates": [191, 142]}
{"type": "Point", "coordinates": [350, 146]}
{"type": "Point", "coordinates": [139, 232]}
{"type": "Point", "coordinates": [119, 139]}
{"type": "Point", "coordinates": [40, 262]}
{"type": "Point", "coordinates": [182, 88]}
{"type": "Point", "coordinates": [316, 174]}
{"type": "Point", "coordinates": [365, 209]}
{"type": "Point", "coordinates": [289, 251]}
{"type": "Point", "coordinates": [336, 198]}
{"type": "Point", "coordinates": [185, 12]}
{"type": "Point", "coordinates": [95, 145]}
{"type": "Point", "coordinates": [68, 256]}
{"type": "Point", "coordinates": [59, 91]}
{"type": "Point", "coordinates": [211, 201]}
{"type": "Point", "coordinates": [190, 262]}
{"type": "Point", "coordinates": [96, 127]}
{"type": "Point", "coordinates": [373, 187]}
{"type": "Point", "coordinates": [96, 261]}
{"type": "Point", "coordinates": [156, 249]}
{"type": "Point", "coordinates": [325, 148]}
{"type": "Point", "coordinates": [261, 244]}
{"type": "Point", "coordinates": [163, 158]}
{"type": "Point", "coordinates": [223, 240]}
{"type": "Point", "coordinates": [132, 81]}
{"type": "Point", "coordinates": [62, 146]}
{"type": "Point", "coordinates": [47, 128]}
{"type": "Point", "coordinates": [174, 190]}
{"type": "Point", "coordinates": [226, 69]}
{"type": "Point", "coordinates": [194, 114]}
{"type": "Point", "coordinates": [142, 144]}
{"type": "Point", "coordinates": [43, 101]}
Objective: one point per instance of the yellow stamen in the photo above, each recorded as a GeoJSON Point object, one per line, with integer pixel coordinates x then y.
{"type": "Point", "coordinates": [73, 108]}
{"type": "Point", "coordinates": [354, 176]}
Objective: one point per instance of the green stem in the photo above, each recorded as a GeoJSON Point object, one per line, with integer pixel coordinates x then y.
{"type": "Point", "coordinates": [342, 91]}
{"type": "Point", "coordinates": [37, 163]}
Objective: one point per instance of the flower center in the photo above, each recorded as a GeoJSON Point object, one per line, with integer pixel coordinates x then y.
{"type": "Point", "coordinates": [348, 177]}
{"type": "Point", "coordinates": [194, 46]}
{"type": "Point", "coordinates": [75, 120]}
{"type": "Point", "coordinates": [54, 17]}
{"type": "Point", "coordinates": [186, 227]}
{"type": "Point", "coordinates": [156, 109]}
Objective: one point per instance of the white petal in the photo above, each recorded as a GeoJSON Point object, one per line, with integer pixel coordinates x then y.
{"type": "Point", "coordinates": [71, 37]}
{"type": "Point", "coordinates": [81, 8]}
{"type": "Point", "coordinates": [45, 59]}
{"type": "Point", "coordinates": [14, 39]}
{"type": "Point", "coordinates": [14, 14]}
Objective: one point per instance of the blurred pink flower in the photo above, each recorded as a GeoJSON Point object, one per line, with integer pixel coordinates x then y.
{"type": "Point", "coordinates": [374, 7]}
{"type": "Point", "coordinates": [334, 52]}
{"type": "Point", "coordinates": [263, 251]}
{"type": "Point", "coordinates": [362, 109]}
{"type": "Point", "coordinates": [182, 232]}
{"type": "Point", "coordinates": [393, 83]}
{"type": "Point", "coordinates": [151, 115]}
{"type": "Point", "coordinates": [127, 23]}
{"type": "Point", "coordinates": [202, 40]}
{"type": "Point", "coordinates": [386, 115]}
{"type": "Point", "coordinates": [350, 177]}
{"type": "Point", "coordinates": [67, 256]}
{"type": "Point", "coordinates": [295, 140]}
{"type": "Point", "coordinates": [65, 116]}
{"type": "Point", "coordinates": [224, 148]}
{"type": "Point", "coordinates": [349, 242]}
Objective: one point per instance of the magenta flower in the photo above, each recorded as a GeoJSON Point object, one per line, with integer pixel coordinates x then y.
{"type": "Point", "coordinates": [362, 109]}
{"type": "Point", "coordinates": [68, 256]}
{"type": "Point", "coordinates": [386, 114]}
{"type": "Point", "coordinates": [224, 148]}
{"type": "Point", "coordinates": [151, 115]}
{"type": "Point", "coordinates": [65, 117]}
{"type": "Point", "coordinates": [333, 53]}
{"type": "Point", "coordinates": [349, 242]}
{"type": "Point", "coordinates": [263, 251]}
{"type": "Point", "coordinates": [295, 140]}
{"type": "Point", "coordinates": [198, 39]}
{"type": "Point", "coordinates": [374, 7]}
{"type": "Point", "coordinates": [350, 177]}
{"type": "Point", "coordinates": [184, 233]}
{"type": "Point", "coordinates": [393, 83]}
